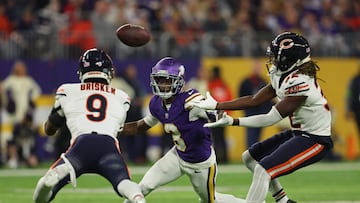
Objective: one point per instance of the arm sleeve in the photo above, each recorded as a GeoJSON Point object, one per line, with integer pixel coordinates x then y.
{"type": "Point", "coordinates": [57, 116]}
{"type": "Point", "coordinates": [261, 120]}
{"type": "Point", "coordinates": [150, 120]}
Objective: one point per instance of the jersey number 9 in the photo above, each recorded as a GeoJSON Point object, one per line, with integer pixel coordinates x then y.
{"type": "Point", "coordinates": [96, 104]}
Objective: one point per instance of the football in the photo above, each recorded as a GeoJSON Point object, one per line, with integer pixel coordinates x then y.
{"type": "Point", "coordinates": [133, 35]}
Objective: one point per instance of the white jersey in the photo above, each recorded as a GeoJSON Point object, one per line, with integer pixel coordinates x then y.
{"type": "Point", "coordinates": [92, 107]}
{"type": "Point", "coordinates": [314, 115]}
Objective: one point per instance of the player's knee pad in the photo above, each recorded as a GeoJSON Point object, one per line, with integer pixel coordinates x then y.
{"type": "Point", "coordinates": [53, 176]}
{"type": "Point", "coordinates": [261, 174]}
{"type": "Point", "coordinates": [248, 160]}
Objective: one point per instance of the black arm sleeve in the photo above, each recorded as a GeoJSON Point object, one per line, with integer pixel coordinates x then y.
{"type": "Point", "coordinates": [55, 118]}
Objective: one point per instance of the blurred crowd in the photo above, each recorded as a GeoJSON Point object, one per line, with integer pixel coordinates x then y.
{"type": "Point", "coordinates": [23, 142]}
{"type": "Point", "coordinates": [181, 28]}
{"type": "Point", "coordinates": [27, 145]}
{"type": "Point", "coordinates": [18, 94]}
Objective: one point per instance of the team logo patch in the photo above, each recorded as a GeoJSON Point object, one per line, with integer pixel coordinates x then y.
{"type": "Point", "coordinates": [301, 87]}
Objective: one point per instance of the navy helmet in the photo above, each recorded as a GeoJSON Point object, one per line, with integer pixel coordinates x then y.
{"type": "Point", "coordinates": [288, 50]}
{"type": "Point", "coordinates": [95, 63]}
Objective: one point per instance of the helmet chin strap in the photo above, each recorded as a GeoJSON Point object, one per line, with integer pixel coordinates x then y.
{"type": "Point", "coordinates": [297, 64]}
{"type": "Point", "coordinates": [300, 62]}
{"type": "Point", "coordinates": [163, 95]}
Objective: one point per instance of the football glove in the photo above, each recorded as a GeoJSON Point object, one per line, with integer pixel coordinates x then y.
{"type": "Point", "coordinates": [225, 120]}
{"type": "Point", "coordinates": [209, 103]}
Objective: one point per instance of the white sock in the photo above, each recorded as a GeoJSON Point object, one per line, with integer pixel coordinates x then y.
{"type": "Point", "coordinates": [129, 189]}
{"type": "Point", "coordinates": [226, 198]}
{"type": "Point", "coordinates": [275, 187]}
{"type": "Point", "coordinates": [277, 191]}
{"type": "Point", "coordinates": [259, 186]}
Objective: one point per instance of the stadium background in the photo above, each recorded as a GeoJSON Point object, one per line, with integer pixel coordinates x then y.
{"type": "Point", "coordinates": [49, 35]}
{"type": "Point", "coordinates": [335, 75]}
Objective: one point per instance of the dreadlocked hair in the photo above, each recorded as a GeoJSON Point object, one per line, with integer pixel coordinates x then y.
{"type": "Point", "coordinates": [309, 68]}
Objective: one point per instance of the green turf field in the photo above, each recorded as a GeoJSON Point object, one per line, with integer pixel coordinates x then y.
{"type": "Point", "coordinates": [323, 182]}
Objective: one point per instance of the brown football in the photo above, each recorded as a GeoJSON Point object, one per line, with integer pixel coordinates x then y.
{"type": "Point", "coordinates": [133, 35]}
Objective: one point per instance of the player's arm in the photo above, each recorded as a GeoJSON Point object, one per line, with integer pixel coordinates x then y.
{"type": "Point", "coordinates": [265, 94]}
{"type": "Point", "coordinates": [56, 118]}
{"type": "Point", "coordinates": [282, 109]}
{"type": "Point", "coordinates": [296, 93]}
{"type": "Point", "coordinates": [135, 127]}
{"type": "Point", "coordinates": [54, 121]}
{"type": "Point", "coordinates": [289, 105]}
{"type": "Point", "coordinates": [50, 128]}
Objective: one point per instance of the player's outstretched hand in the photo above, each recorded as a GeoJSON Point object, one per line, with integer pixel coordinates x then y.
{"type": "Point", "coordinates": [209, 103]}
{"type": "Point", "coordinates": [225, 120]}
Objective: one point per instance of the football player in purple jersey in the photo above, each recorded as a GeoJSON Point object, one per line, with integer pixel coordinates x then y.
{"type": "Point", "coordinates": [192, 154]}
{"type": "Point", "coordinates": [294, 82]}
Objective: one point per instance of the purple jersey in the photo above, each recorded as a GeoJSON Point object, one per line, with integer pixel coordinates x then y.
{"type": "Point", "coordinates": [192, 140]}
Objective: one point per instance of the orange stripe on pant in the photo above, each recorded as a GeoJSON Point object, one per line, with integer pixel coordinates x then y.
{"type": "Point", "coordinates": [296, 160]}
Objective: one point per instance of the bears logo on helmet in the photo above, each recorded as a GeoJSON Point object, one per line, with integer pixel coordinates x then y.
{"type": "Point", "coordinates": [95, 63]}
{"type": "Point", "coordinates": [288, 50]}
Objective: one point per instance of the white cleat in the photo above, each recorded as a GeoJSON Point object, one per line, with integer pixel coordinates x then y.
{"type": "Point", "coordinates": [139, 199]}
{"type": "Point", "coordinates": [127, 201]}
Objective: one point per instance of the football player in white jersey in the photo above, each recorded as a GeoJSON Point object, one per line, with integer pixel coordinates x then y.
{"type": "Point", "coordinates": [94, 112]}
{"type": "Point", "coordinates": [192, 154]}
{"type": "Point", "coordinates": [294, 82]}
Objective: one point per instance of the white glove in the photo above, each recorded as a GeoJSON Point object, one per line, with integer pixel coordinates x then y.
{"type": "Point", "coordinates": [225, 120]}
{"type": "Point", "coordinates": [209, 103]}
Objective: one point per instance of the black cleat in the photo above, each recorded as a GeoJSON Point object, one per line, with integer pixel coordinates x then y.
{"type": "Point", "coordinates": [291, 201]}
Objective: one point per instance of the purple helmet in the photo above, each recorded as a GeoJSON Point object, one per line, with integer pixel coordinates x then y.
{"type": "Point", "coordinates": [169, 69]}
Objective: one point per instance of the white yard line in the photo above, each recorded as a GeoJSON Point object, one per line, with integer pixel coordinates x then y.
{"type": "Point", "coordinates": [164, 189]}
{"type": "Point", "coordinates": [233, 168]}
